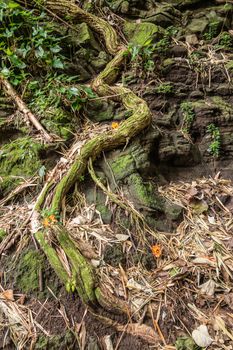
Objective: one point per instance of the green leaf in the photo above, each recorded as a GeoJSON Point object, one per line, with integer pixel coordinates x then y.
{"type": "Point", "coordinates": [16, 61]}
{"type": "Point", "coordinates": [8, 33]}
{"type": "Point", "coordinates": [39, 52]}
{"type": "Point", "coordinates": [90, 93]}
{"type": "Point", "coordinates": [5, 72]}
{"type": "Point", "coordinates": [57, 63]}
{"type": "Point", "coordinates": [42, 171]}
{"type": "Point", "coordinates": [55, 49]}
{"type": "Point", "coordinates": [73, 91]}
{"type": "Point", "coordinates": [12, 5]}
{"type": "Point", "coordinates": [9, 52]}
{"type": "Point", "coordinates": [76, 105]}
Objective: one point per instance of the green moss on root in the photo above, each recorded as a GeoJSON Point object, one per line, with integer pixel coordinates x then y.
{"type": "Point", "coordinates": [82, 270]}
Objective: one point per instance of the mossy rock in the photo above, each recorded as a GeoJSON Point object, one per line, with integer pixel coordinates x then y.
{"type": "Point", "coordinates": [99, 111]}
{"type": "Point", "coordinates": [173, 211]}
{"type": "Point", "coordinates": [18, 159]}
{"type": "Point", "coordinates": [186, 343]}
{"type": "Point", "coordinates": [198, 25]}
{"type": "Point", "coordinates": [82, 35]}
{"type": "Point", "coordinates": [100, 61]}
{"type": "Point", "coordinates": [216, 106]}
{"type": "Point", "coordinates": [121, 6]}
{"type": "Point", "coordinates": [143, 193]}
{"type": "Point", "coordinates": [27, 273]}
{"type": "Point", "coordinates": [105, 213]}
{"type": "Point", "coordinates": [97, 196]}
{"type": "Point", "coordinates": [122, 166]}
{"type": "Point", "coordinates": [140, 33]}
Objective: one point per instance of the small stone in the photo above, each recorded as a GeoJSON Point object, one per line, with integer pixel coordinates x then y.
{"type": "Point", "coordinates": [191, 39]}
{"type": "Point", "coordinates": [196, 94]}
{"type": "Point", "coordinates": [178, 51]}
{"type": "Point", "coordinates": [198, 25]}
{"type": "Point", "coordinates": [173, 211]}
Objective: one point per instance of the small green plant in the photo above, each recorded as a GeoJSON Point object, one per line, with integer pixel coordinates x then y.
{"type": "Point", "coordinates": [213, 31]}
{"type": "Point", "coordinates": [188, 115]}
{"type": "Point", "coordinates": [142, 56]}
{"type": "Point", "coordinates": [164, 88]}
{"type": "Point", "coordinates": [215, 144]}
{"type": "Point", "coordinates": [162, 46]}
{"type": "Point", "coordinates": [226, 40]}
{"type": "Point", "coordinates": [27, 38]}
{"type": "Point", "coordinates": [59, 91]}
{"type": "Point", "coordinates": [50, 213]}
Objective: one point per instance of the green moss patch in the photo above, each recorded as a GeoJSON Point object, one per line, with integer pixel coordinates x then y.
{"type": "Point", "coordinates": [2, 234]}
{"type": "Point", "coordinates": [58, 122]}
{"type": "Point", "coordinates": [140, 33]}
{"type": "Point", "coordinates": [143, 193]}
{"type": "Point", "coordinates": [18, 159]}
{"type": "Point", "coordinates": [123, 166]}
{"type": "Point", "coordinates": [27, 275]}
{"type": "Point", "coordinates": [63, 342]}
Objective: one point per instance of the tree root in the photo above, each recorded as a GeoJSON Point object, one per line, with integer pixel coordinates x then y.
{"type": "Point", "coordinates": [82, 276]}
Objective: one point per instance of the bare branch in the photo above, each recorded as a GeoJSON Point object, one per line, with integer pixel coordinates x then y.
{"type": "Point", "coordinates": [22, 107]}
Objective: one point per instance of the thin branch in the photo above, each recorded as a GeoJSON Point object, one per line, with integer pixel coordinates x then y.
{"type": "Point", "coordinates": [22, 107]}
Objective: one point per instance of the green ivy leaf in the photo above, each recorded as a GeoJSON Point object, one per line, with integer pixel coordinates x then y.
{"type": "Point", "coordinates": [9, 52]}
{"type": "Point", "coordinates": [12, 5]}
{"type": "Point", "coordinates": [57, 63]}
{"type": "Point", "coordinates": [16, 61]}
{"type": "Point", "coordinates": [5, 72]}
{"type": "Point", "coordinates": [42, 171]}
{"type": "Point", "coordinates": [55, 49]}
{"type": "Point", "coordinates": [39, 52]}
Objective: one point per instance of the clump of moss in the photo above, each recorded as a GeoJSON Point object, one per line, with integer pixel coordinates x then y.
{"type": "Point", "coordinates": [63, 342]}
{"type": "Point", "coordinates": [2, 234]}
{"type": "Point", "coordinates": [58, 122]}
{"type": "Point", "coordinates": [27, 275]}
{"type": "Point", "coordinates": [18, 159]}
{"type": "Point", "coordinates": [165, 88]}
{"type": "Point", "coordinates": [123, 166]}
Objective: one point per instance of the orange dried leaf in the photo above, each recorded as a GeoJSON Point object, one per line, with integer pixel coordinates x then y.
{"type": "Point", "coordinates": [115, 125]}
{"type": "Point", "coordinates": [46, 222]}
{"type": "Point", "coordinates": [52, 218]}
{"type": "Point", "coordinates": [156, 250]}
{"type": "Point", "coordinates": [7, 295]}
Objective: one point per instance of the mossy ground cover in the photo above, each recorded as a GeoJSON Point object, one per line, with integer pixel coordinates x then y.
{"type": "Point", "coordinates": [19, 160]}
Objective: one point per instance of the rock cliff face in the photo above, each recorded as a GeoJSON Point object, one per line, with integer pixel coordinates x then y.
{"type": "Point", "coordinates": [189, 91]}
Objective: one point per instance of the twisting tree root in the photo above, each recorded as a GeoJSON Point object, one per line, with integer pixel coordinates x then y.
{"type": "Point", "coordinates": [81, 275]}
